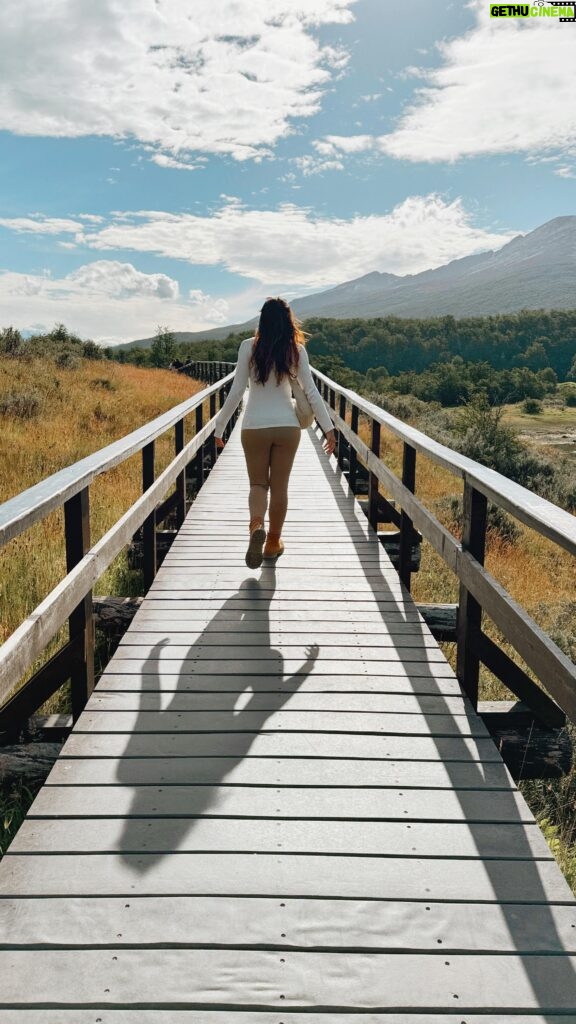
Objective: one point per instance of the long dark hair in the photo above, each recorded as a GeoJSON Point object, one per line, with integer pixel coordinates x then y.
{"type": "Point", "coordinates": [276, 342]}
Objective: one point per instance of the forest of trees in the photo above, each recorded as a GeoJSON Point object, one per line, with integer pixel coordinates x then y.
{"type": "Point", "coordinates": [509, 358]}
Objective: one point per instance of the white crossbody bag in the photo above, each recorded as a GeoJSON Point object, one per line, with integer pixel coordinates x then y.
{"type": "Point", "coordinates": [302, 408]}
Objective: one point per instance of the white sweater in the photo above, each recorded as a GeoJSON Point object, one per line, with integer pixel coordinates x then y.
{"type": "Point", "coordinates": [270, 404]}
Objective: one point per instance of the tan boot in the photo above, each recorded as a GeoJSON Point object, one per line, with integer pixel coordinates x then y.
{"type": "Point", "coordinates": [274, 546]}
{"type": "Point", "coordinates": [256, 543]}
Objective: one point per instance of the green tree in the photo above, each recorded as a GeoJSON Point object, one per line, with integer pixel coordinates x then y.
{"type": "Point", "coordinates": [163, 347]}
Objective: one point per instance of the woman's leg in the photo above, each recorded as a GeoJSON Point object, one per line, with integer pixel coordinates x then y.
{"type": "Point", "coordinates": [283, 450]}
{"type": "Point", "coordinates": [256, 445]}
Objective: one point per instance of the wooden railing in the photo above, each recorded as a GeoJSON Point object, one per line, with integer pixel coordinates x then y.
{"type": "Point", "coordinates": [71, 601]}
{"type": "Point", "coordinates": [479, 590]}
{"type": "Point", "coordinates": [206, 370]}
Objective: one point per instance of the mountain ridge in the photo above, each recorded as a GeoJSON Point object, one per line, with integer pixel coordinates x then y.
{"type": "Point", "coordinates": [532, 271]}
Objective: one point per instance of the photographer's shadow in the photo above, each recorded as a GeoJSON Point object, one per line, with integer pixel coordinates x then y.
{"type": "Point", "coordinates": [240, 703]}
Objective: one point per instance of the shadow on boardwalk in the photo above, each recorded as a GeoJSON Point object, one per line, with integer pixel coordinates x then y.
{"type": "Point", "coordinates": [243, 711]}
{"type": "Point", "coordinates": [451, 751]}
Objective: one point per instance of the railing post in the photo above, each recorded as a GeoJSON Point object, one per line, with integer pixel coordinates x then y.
{"type": "Point", "coordinates": [149, 525]}
{"type": "Point", "coordinates": [81, 621]}
{"type": "Point", "coordinates": [469, 611]}
{"type": "Point", "coordinates": [341, 439]}
{"type": "Point", "coordinates": [406, 526]}
{"type": "Point", "coordinates": [373, 480]}
{"type": "Point", "coordinates": [221, 399]}
{"type": "Point", "coordinates": [200, 453]}
{"type": "Point", "coordinates": [181, 478]}
{"type": "Point", "coordinates": [353, 457]}
{"type": "Point", "coordinates": [212, 441]}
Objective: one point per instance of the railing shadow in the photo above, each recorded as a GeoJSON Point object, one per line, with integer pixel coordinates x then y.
{"type": "Point", "coordinates": [243, 711]}
{"type": "Point", "coordinates": [450, 751]}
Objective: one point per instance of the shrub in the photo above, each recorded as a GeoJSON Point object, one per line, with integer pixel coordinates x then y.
{"type": "Point", "coordinates": [571, 399]}
{"type": "Point", "coordinates": [22, 405]}
{"type": "Point", "coordinates": [532, 406]}
{"type": "Point", "coordinates": [67, 360]}
{"type": "Point", "coordinates": [10, 341]}
{"type": "Point", "coordinates": [90, 350]}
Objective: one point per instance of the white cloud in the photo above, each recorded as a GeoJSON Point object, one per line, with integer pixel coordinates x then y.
{"type": "Point", "coordinates": [316, 165]}
{"type": "Point", "coordinates": [207, 308]}
{"type": "Point", "coordinates": [222, 78]}
{"type": "Point", "coordinates": [293, 247]}
{"type": "Point", "coordinates": [110, 301]}
{"type": "Point", "coordinates": [506, 86]}
{"type": "Point", "coordinates": [120, 280]}
{"type": "Point", "coordinates": [39, 225]}
{"type": "Point", "coordinates": [179, 165]}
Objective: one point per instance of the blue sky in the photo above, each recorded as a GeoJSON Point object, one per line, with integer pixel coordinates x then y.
{"type": "Point", "coordinates": [170, 163]}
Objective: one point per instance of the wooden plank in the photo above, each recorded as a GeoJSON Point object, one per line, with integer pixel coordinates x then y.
{"type": "Point", "coordinates": [282, 802]}
{"type": "Point", "coordinates": [192, 612]}
{"type": "Point", "coordinates": [267, 638]}
{"type": "Point", "coordinates": [156, 1016]}
{"type": "Point", "coordinates": [166, 681]}
{"type": "Point", "coordinates": [374, 838]}
{"type": "Point", "coordinates": [238, 601]}
{"type": "Point", "coordinates": [294, 771]}
{"type": "Point", "coordinates": [285, 875]}
{"type": "Point", "coordinates": [251, 720]}
{"type": "Point", "coordinates": [257, 978]}
{"type": "Point", "coordinates": [284, 667]}
{"type": "Point", "coordinates": [290, 924]}
{"type": "Point", "coordinates": [278, 744]}
{"type": "Point", "coordinates": [198, 651]}
{"type": "Point", "coordinates": [149, 624]}
{"type": "Point", "coordinates": [268, 701]}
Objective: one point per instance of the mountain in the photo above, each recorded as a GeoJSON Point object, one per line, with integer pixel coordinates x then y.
{"type": "Point", "coordinates": [533, 271]}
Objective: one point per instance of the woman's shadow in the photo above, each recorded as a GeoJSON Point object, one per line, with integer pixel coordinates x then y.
{"type": "Point", "coordinates": [239, 697]}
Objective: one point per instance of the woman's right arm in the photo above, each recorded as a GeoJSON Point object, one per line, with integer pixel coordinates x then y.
{"type": "Point", "coordinates": [237, 390]}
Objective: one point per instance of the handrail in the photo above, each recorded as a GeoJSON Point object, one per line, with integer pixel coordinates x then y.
{"type": "Point", "coordinates": [71, 599]}
{"type": "Point", "coordinates": [19, 513]}
{"type": "Point", "coordinates": [534, 511]}
{"type": "Point", "coordinates": [479, 591]}
{"type": "Point", "coordinates": [28, 641]}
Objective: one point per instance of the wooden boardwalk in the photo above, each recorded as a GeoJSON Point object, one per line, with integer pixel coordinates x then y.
{"type": "Point", "coordinates": [277, 806]}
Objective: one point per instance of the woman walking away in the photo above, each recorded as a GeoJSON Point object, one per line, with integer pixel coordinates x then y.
{"type": "Point", "coordinates": [270, 430]}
